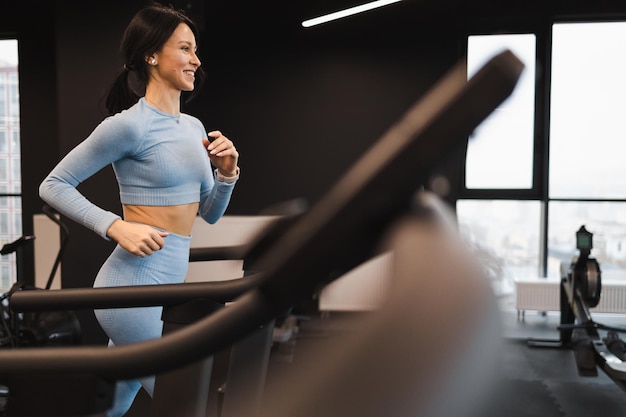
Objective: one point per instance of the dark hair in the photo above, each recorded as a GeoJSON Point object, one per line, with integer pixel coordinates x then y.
{"type": "Point", "coordinates": [146, 33]}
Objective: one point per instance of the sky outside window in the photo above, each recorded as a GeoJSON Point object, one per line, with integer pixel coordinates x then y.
{"type": "Point", "coordinates": [500, 151]}
{"type": "Point", "coordinates": [588, 108]}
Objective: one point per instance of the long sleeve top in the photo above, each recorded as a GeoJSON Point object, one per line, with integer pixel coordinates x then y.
{"type": "Point", "coordinates": [158, 160]}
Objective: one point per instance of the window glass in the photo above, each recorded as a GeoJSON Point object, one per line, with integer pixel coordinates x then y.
{"type": "Point", "coordinates": [4, 221]}
{"type": "Point", "coordinates": [17, 216]}
{"type": "Point", "coordinates": [500, 151]}
{"type": "Point", "coordinates": [587, 173]}
{"type": "Point", "coordinates": [607, 222]}
{"type": "Point", "coordinates": [11, 208]}
{"type": "Point", "coordinates": [3, 100]}
{"type": "Point", "coordinates": [16, 169]}
{"type": "Point", "coordinates": [505, 236]}
{"type": "Point", "coordinates": [587, 123]}
{"type": "Point", "coordinates": [15, 141]}
{"type": "Point", "coordinates": [6, 277]}
{"type": "Point", "coordinates": [14, 98]}
{"type": "Point", "coordinates": [4, 175]}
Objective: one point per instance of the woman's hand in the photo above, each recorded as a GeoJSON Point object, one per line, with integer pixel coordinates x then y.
{"type": "Point", "coordinates": [222, 153]}
{"type": "Point", "coordinates": [139, 239]}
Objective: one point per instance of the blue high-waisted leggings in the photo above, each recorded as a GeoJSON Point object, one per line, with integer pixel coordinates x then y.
{"type": "Point", "coordinates": [129, 325]}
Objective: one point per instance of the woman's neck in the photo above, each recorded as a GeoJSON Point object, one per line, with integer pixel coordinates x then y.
{"type": "Point", "coordinates": [163, 102]}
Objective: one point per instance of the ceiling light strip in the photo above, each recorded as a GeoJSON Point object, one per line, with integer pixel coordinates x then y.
{"type": "Point", "coordinates": [347, 12]}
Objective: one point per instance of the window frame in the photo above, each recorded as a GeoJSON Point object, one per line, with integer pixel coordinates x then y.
{"type": "Point", "coordinates": [538, 190]}
{"type": "Point", "coordinates": [541, 159]}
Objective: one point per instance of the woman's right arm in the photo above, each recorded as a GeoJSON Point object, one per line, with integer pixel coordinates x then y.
{"type": "Point", "coordinates": [59, 188]}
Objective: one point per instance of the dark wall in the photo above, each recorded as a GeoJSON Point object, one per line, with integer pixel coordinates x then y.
{"type": "Point", "coordinates": [300, 104]}
{"type": "Point", "coordinates": [301, 107]}
{"type": "Point", "coordinates": [38, 113]}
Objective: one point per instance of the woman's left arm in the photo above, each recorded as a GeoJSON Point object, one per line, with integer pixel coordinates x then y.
{"type": "Point", "coordinates": [224, 157]}
{"type": "Point", "coordinates": [222, 153]}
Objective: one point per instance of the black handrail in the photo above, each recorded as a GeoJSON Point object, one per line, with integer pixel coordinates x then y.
{"type": "Point", "coordinates": [167, 294]}
{"type": "Point", "coordinates": [188, 345]}
{"type": "Point", "coordinates": [131, 296]}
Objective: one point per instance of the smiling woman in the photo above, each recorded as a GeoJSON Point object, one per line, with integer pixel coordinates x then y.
{"type": "Point", "coordinates": [169, 171]}
{"type": "Point", "coordinates": [173, 68]}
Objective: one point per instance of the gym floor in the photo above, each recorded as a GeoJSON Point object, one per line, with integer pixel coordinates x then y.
{"type": "Point", "coordinates": [538, 381]}
{"type": "Point", "coordinates": [545, 381]}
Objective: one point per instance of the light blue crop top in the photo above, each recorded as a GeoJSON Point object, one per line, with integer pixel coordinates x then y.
{"type": "Point", "coordinates": [158, 160]}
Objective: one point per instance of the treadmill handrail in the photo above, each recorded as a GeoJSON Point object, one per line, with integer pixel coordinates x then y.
{"type": "Point", "coordinates": [185, 346]}
{"type": "Point", "coordinates": [131, 295]}
{"type": "Point", "coordinates": [160, 295]}
{"type": "Point", "coordinates": [218, 253]}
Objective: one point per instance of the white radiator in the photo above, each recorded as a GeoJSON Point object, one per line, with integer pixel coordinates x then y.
{"type": "Point", "coordinates": [541, 294]}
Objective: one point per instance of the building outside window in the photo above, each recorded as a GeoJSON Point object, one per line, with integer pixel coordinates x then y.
{"type": "Point", "coordinates": [10, 169]}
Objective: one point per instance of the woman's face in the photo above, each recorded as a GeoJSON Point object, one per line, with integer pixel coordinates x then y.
{"type": "Point", "coordinates": [177, 62]}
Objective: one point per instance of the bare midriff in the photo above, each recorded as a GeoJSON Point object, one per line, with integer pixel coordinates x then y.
{"type": "Point", "coordinates": [176, 219]}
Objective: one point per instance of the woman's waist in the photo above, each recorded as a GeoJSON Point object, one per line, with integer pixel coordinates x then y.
{"type": "Point", "coordinates": [177, 219]}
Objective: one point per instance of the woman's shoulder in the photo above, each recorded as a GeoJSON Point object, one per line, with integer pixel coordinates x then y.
{"type": "Point", "coordinates": [137, 111]}
{"type": "Point", "coordinates": [192, 121]}
{"type": "Point", "coordinates": [130, 121]}
{"type": "Point", "coordinates": [190, 118]}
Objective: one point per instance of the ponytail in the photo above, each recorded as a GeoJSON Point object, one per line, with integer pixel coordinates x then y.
{"type": "Point", "coordinates": [121, 94]}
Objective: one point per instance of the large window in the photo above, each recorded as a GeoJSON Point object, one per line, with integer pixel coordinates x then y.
{"type": "Point", "coordinates": [503, 143]}
{"type": "Point", "coordinates": [10, 170]}
{"type": "Point", "coordinates": [588, 141]}
{"type": "Point", "coordinates": [500, 156]}
{"type": "Point", "coordinates": [588, 96]}
{"type": "Point", "coordinates": [576, 176]}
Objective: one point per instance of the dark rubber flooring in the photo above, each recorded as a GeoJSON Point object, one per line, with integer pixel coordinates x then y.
{"type": "Point", "coordinates": [536, 382]}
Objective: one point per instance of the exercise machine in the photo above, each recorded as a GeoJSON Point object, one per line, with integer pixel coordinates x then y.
{"type": "Point", "coordinates": [233, 376]}
{"type": "Point", "coordinates": [580, 290]}
{"type": "Point", "coordinates": [341, 231]}
{"type": "Point", "coordinates": [42, 328]}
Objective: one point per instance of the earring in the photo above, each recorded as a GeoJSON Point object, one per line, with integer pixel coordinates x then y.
{"type": "Point", "coordinates": [153, 62]}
